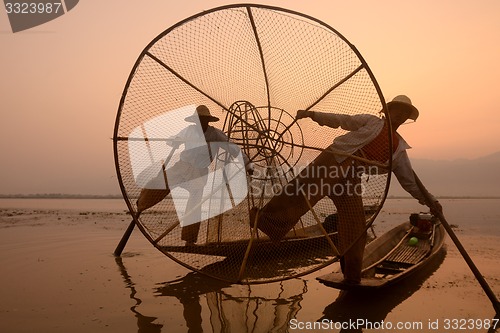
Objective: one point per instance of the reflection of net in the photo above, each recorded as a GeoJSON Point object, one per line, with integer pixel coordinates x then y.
{"type": "Point", "coordinates": [280, 62]}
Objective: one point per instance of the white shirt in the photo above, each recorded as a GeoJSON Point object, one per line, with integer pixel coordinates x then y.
{"type": "Point", "coordinates": [362, 130]}
{"type": "Point", "coordinates": [199, 147]}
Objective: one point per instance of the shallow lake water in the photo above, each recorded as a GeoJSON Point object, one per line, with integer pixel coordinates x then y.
{"type": "Point", "coordinates": [59, 275]}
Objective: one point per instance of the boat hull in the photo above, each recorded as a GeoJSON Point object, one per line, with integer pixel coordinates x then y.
{"type": "Point", "coordinates": [390, 258]}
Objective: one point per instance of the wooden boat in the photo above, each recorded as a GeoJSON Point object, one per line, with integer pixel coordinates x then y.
{"type": "Point", "coordinates": [393, 257]}
{"type": "Point", "coordinates": [297, 240]}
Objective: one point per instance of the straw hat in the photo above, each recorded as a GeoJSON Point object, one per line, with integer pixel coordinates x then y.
{"type": "Point", "coordinates": [404, 101]}
{"type": "Point", "coordinates": [201, 111]}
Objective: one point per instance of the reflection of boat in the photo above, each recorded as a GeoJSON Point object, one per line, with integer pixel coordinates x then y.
{"type": "Point", "coordinates": [395, 255]}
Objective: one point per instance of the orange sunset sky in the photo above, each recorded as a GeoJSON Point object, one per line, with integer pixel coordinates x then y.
{"type": "Point", "coordinates": [61, 82]}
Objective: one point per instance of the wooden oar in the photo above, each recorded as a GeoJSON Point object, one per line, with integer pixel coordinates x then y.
{"type": "Point", "coordinates": [197, 206]}
{"type": "Point", "coordinates": [463, 252]}
{"type": "Point", "coordinates": [125, 237]}
{"type": "Point", "coordinates": [128, 232]}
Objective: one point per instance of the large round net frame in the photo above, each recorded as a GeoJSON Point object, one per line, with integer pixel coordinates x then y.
{"type": "Point", "coordinates": [235, 60]}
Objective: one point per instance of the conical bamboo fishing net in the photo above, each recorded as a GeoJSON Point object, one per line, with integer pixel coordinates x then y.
{"type": "Point", "coordinates": [253, 67]}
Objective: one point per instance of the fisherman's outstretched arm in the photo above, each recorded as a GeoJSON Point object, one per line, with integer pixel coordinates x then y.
{"type": "Point", "coordinates": [403, 171]}
{"type": "Point", "coordinates": [334, 120]}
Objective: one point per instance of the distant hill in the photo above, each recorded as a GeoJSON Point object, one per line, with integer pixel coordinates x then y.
{"type": "Point", "coordinates": [458, 178]}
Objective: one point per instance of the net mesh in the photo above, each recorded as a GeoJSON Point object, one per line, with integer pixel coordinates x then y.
{"type": "Point", "coordinates": [253, 67]}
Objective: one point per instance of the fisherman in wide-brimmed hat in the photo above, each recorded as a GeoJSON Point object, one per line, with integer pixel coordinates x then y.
{"type": "Point", "coordinates": [401, 109]}
{"type": "Point", "coordinates": [202, 113]}
{"type": "Point", "coordinates": [366, 139]}
{"type": "Point", "coordinates": [191, 171]}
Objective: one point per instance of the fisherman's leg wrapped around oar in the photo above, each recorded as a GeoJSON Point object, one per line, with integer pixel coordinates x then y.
{"type": "Point", "coordinates": [316, 181]}
{"type": "Point", "coordinates": [352, 232]}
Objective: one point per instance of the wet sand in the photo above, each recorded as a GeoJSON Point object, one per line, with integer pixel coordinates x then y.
{"type": "Point", "coordinates": [59, 275]}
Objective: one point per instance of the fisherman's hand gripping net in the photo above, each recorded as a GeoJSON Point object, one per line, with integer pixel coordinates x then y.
{"type": "Point", "coordinates": [237, 202]}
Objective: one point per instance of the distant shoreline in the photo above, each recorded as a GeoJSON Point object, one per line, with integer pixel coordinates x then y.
{"type": "Point", "coordinates": [118, 196]}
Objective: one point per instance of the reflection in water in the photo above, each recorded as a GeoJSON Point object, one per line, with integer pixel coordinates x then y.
{"type": "Point", "coordinates": [144, 323]}
{"type": "Point", "coordinates": [232, 308]}
{"type": "Point", "coordinates": [188, 291]}
{"type": "Point", "coordinates": [374, 306]}
{"type": "Point", "coordinates": [237, 308]}
{"type": "Point", "coordinates": [267, 307]}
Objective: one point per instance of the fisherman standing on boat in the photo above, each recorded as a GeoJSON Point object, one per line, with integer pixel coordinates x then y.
{"type": "Point", "coordinates": [191, 171]}
{"type": "Point", "coordinates": [366, 138]}
{"type": "Point", "coordinates": [400, 110]}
